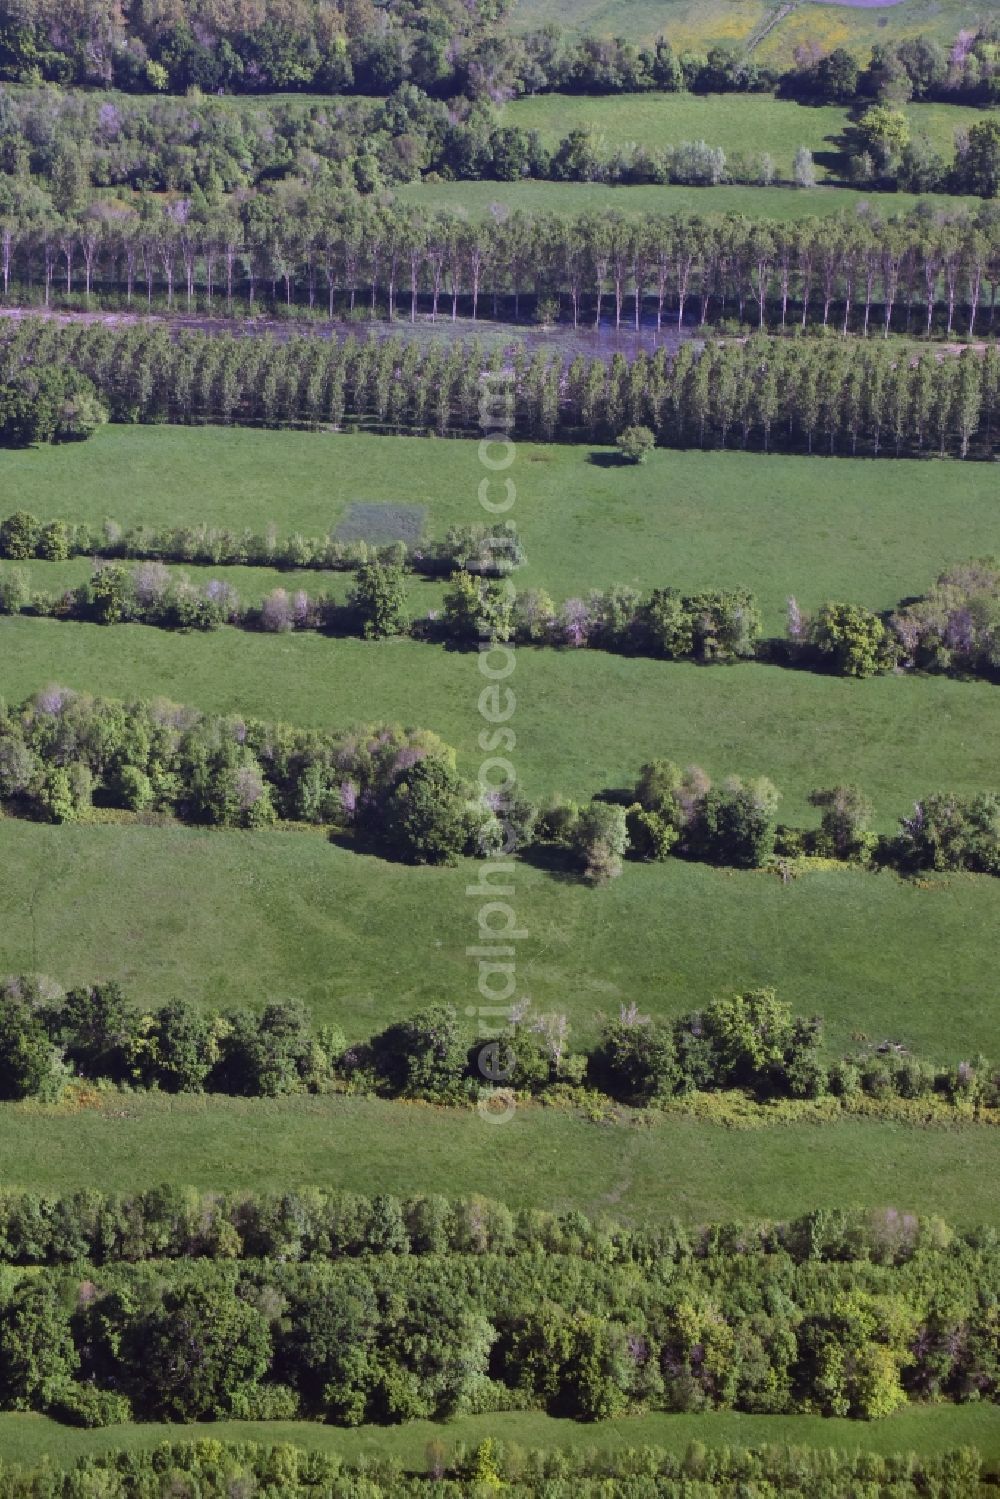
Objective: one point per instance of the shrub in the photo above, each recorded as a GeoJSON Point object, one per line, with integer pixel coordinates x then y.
{"type": "Point", "coordinates": [15, 591]}
{"type": "Point", "coordinates": [379, 601]}
{"type": "Point", "coordinates": [948, 831]}
{"type": "Point", "coordinates": [853, 640]}
{"type": "Point", "coordinates": [19, 536]}
{"type": "Point", "coordinates": [635, 444]}
{"type": "Point", "coordinates": [600, 841]}
{"type": "Point", "coordinates": [737, 824]}
{"type": "Point", "coordinates": [427, 816]}
{"type": "Point", "coordinates": [845, 829]}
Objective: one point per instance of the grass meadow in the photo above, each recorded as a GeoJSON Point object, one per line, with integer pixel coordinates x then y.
{"type": "Point", "coordinates": [739, 123]}
{"type": "Point", "coordinates": [226, 918]}
{"type": "Point", "coordinates": [872, 531]}
{"type": "Point", "coordinates": [649, 1171]}
{"type": "Point", "coordinates": [479, 200]}
{"type": "Point", "coordinates": [28, 1439]}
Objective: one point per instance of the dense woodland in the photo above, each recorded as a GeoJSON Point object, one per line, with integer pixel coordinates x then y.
{"type": "Point", "coordinates": [847, 1318]}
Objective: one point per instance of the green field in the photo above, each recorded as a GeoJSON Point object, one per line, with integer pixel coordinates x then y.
{"type": "Point", "coordinates": [740, 123]}
{"type": "Point", "coordinates": [649, 1171]}
{"type": "Point", "coordinates": [477, 200]}
{"type": "Point", "coordinates": [227, 918]}
{"type": "Point", "coordinates": [28, 1439]}
{"type": "Point", "coordinates": [873, 532]}
{"type": "Point", "coordinates": [800, 728]}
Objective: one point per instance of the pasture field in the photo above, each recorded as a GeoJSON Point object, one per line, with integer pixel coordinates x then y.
{"type": "Point", "coordinates": [478, 200]}
{"type": "Point", "coordinates": [739, 123]}
{"type": "Point", "coordinates": [872, 531]}
{"type": "Point", "coordinates": [229, 918]}
{"type": "Point", "coordinates": [898, 737]}
{"type": "Point", "coordinates": [652, 1171]}
{"type": "Point", "coordinates": [697, 25]}
{"type": "Point", "coordinates": [28, 1439]}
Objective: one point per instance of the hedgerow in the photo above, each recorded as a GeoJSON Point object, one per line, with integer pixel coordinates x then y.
{"type": "Point", "coordinates": [749, 1042]}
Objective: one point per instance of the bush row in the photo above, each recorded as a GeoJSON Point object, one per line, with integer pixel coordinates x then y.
{"type": "Point", "coordinates": [954, 628]}
{"type": "Point", "coordinates": [495, 549]}
{"type": "Point", "coordinates": [840, 395]}
{"type": "Point", "coordinates": [750, 1041]}
{"type": "Point", "coordinates": [396, 1337]}
{"type": "Point", "coordinates": [218, 1470]}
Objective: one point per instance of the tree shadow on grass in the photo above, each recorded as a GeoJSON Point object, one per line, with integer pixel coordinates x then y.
{"type": "Point", "coordinates": [555, 862]}
{"type": "Point", "coordinates": [609, 460]}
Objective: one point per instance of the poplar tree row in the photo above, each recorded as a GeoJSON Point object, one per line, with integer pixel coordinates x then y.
{"type": "Point", "coordinates": [772, 394]}
{"type": "Point", "coordinates": [337, 252]}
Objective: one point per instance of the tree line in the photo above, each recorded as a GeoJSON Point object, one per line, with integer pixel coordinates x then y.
{"type": "Point", "coordinates": [791, 395]}
{"type": "Point", "coordinates": [451, 50]}
{"type": "Point", "coordinates": [924, 273]}
{"type": "Point", "coordinates": [397, 1337]}
{"type": "Point", "coordinates": [953, 629]}
{"type": "Point", "coordinates": [304, 1224]}
{"type": "Point", "coordinates": [750, 1042]}
{"type": "Point", "coordinates": [219, 1469]}
{"type": "Point", "coordinates": [64, 151]}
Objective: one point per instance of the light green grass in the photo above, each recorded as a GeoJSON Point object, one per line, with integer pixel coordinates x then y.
{"type": "Point", "coordinates": [480, 200]}
{"type": "Point", "coordinates": [819, 528]}
{"type": "Point", "coordinates": [650, 1172]}
{"type": "Point", "coordinates": [29, 1439]}
{"type": "Point", "coordinates": [229, 918]}
{"type": "Point", "coordinates": [740, 123]}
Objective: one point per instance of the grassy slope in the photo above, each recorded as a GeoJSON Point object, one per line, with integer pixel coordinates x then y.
{"type": "Point", "coordinates": [475, 200]}
{"type": "Point", "coordinates": [227, 918]}
{"type": "Point", "coordinates": [739, 123]}
{"type": "Point", "coordinates": [872, 531]}
{"type": "Point", "coordinates": [650, 1171]}
{"type": "Point", "coordinates": [700, 24]}
{"type": "Point", "coordinates": [27, 1439]}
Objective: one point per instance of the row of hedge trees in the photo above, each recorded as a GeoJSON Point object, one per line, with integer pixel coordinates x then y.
{"type": "Point", "coordinates": [782, 394]}
{"type": "Point", "coordinates": [166, 1222]}
{"type": "Point", "coordinates": [488, 550]}
{"type": "Point", "coordinates": [751, 1042]}
{"type": "Point", "coordinates": [395, 1337]}
{"type": "Point", "coordinates": [62, 752]}
{"type": "Point", "coordinates": [217, 1470]}
{"type": "Point", "coordinates": [953, 628]}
